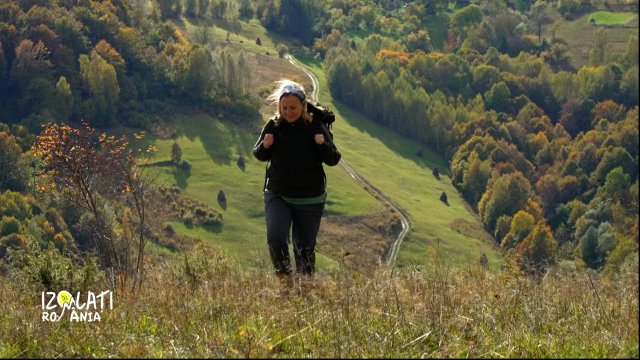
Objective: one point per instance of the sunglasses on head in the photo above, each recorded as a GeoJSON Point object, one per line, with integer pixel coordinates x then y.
{"type": "Point", "coordinates": [290, 90]}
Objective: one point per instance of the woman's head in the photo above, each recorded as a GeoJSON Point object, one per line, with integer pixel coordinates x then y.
{"type": "Point", "coordinates": [291, 100]}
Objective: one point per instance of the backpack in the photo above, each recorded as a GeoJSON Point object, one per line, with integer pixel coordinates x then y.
{"type": "Point", "coordinates": [320, 113]}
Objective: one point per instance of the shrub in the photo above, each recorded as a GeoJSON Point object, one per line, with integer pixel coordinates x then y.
{"type": "Point", "coordinates": [282, 49]}
{"type": "Point", "coordinates": [51, 271]}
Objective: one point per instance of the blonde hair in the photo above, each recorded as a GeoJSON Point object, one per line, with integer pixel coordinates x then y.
{"type": "Point", "coordinates": [289, 88]}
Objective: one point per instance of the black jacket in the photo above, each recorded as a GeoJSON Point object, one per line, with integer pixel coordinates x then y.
{"type": "Point", "coordinates": [296, 160]}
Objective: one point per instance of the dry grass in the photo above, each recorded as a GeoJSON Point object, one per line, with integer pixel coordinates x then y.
{"type": "Point", "coordinates": [359, 241]}
{"type": "Point", "coordinates": [212, 309]}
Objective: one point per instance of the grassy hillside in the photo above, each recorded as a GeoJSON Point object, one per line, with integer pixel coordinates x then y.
{"type": "Point", "coordinates": [382, 156]}
{"type": "Point", "coordinates": [611, 18]}
{"type": "Point", "coordinates": [580, 34]}
{"type": "Point", "coordinates": [388, 160]}
{"type": "Point", "coordinates": [213, 147]}
{"type": "Point", "coordinates": [215, 309]}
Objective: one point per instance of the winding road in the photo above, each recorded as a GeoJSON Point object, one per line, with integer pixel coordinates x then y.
{"type": "Point", "coordinates": [392, 254]}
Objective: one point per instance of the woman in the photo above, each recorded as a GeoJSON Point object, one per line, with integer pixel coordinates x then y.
{"type": "Point", "coordinates": [295, 189]}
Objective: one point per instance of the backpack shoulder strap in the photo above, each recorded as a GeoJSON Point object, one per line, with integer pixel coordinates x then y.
{"type": "Point", "coordinates": [315, 124]}
{"type": "Point", "coordinates": [273, 129]}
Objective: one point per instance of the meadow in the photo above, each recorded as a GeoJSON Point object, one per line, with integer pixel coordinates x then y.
{"type": "Point", "coordinates": [206, 305]}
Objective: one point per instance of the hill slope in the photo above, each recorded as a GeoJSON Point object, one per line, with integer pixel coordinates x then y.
{"type": "Point", "coordinates": [383, 157]}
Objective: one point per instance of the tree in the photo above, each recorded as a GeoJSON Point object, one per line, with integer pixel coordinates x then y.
{"type": "Point", "coordinates": [190, 7]}
{"type": "Point", "coordinates": [598, 53]}
{"type": "Point", "coordinates": [522, 225]}
{"type": "Point", "coordinates": [111, 55]}
{"type": "Point", "coordinates": [203, 8]}
{"type": "Point", "coordinates": [200, 73]}
{"type": "Point", "coordinates": [14, 175]}
{"type": "Point", "coordinates": [588, 248]}
{"type": "Point", "coordinates": [629, 86]}
{"type": "Point", "coordinates": [245, 8]}
{"type": "Point", "coordinates": [608, 110]}
{"type": "Point", "coordinates": [539, 249]}
{"type": "Point", "coordinates": [204, 33]}
{"type": "Point", "coordinates": [93, 175]}
{"type": "Point", "coordinates": [176, 154]}
{"type": "Point", "coordinates": [466, 18]}
{"type": "Point", "coordinates": [617, 184]}
{"type": "Point", "coordinates": [539, 17]}
{"type": "Point", "coordinates": [484, 77]}
{"type": "Point", "coordinates": [505, 196]}
{"type": "Point", "coordinates": [632, 53]}
{"type": "Point", "coordinates": [63, 100]}
{"type": "Point", "coordinates": [616, 157]}
{"type": "Point", "coordinates": [100, 81]}
{"type": "Point", "coordinates": [498, 98]}
{"type": "Point", "coordinates": [170, 8]}
{"type": "Point", "coordinates": [30, 62]}
{"type": "Point", "coordinates": [475, 178]}
{"type": "Point", "coordinates": [419, 41]}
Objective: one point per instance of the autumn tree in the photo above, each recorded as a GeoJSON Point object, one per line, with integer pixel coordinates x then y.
{"type": "Point", "coordinates": [100, 82]}
{"type": "Point", "coordinates": [91, 175]}
{"type": "Point", "coordinates": [506, 195]}
{"type": "Point", "coordinates": [522, 225]}
{"type": "Point", "coordinates": [539, 249]}
{"type": "Point", "coordinates": [31, 62]}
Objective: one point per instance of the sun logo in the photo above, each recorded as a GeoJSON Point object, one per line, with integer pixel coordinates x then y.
{"type": "Point", "coordinates": [64, 298]}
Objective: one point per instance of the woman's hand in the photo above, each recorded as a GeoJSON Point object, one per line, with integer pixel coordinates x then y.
{"type": "Point", "coordinates": [319, 139]}
{"type": "Point", "coordinates": [268, 141]}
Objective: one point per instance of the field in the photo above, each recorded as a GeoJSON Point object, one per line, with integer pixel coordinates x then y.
{"type": "Point", "coordinates": [580, 35]}
{"type": "Point", "coordinates": [610, 18]}
{"type": "Point", "coordinates": [212, 308]}
{"type": "Point", "coordinates": [213, 147]}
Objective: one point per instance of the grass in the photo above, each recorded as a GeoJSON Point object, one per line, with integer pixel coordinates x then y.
{"type": "Point", "coordinates": [610, 18]}
{"type": "Point", "coordinates": [246, 31]}
{"type": "Point", "coordinates": [388, 160]}
{"type": "Point", "coordinates": [213, 146]}
{"type": "Point", "coordinates": [215, 309]}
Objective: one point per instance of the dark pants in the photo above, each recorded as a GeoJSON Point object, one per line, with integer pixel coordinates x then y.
{"type": "Point", "coordinates": [306, 222]}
